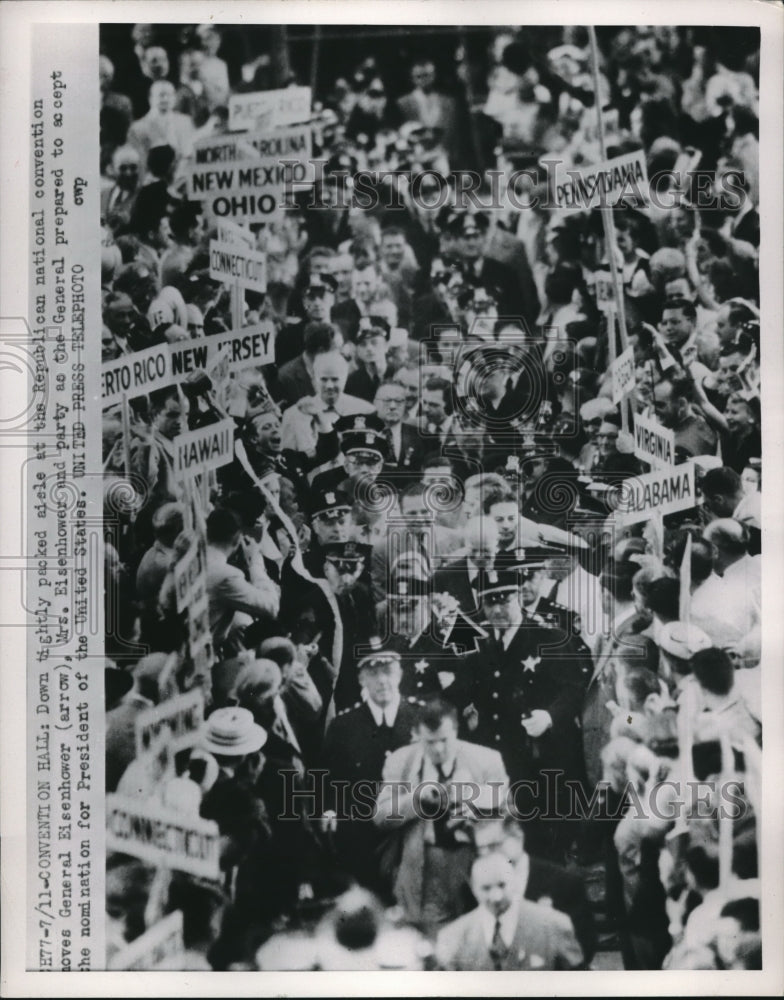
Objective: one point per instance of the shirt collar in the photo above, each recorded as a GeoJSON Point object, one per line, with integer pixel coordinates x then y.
{"type": "Point", "coordinates": [387, 714]}
{"type": "Point", "coordinates": [508, 919]}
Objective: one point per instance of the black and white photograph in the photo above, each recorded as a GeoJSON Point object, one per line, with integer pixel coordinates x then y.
{"type": "Point", "coordinates": [396, 453]}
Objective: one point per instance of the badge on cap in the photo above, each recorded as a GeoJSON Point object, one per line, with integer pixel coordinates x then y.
{"type": "Point", "coordinates": [360, 422]}
{"type": "Point", "coordinates": [402, 588]}
{"type": "Point", "coordinates": [370, 438]}
{"type": "Point", "coordinates": [330, 498]}
{"type": "Point", "coordinates": [513, 463]}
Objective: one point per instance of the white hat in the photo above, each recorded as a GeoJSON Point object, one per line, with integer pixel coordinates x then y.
{"type": "Point", "coordinates": [231, 732]}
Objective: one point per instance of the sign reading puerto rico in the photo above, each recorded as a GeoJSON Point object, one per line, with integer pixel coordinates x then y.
{"type": "Point", "coordinates": [208, 447]}
{"type": "Point", "coordinates": [170, 364]}
{"type": "Point", "coordinates": [230, 263]}
{"type": "Point", "coordinates": [664, 490]}
{"type": "Point", "coordinates": [602, 184]}
{"type": "Point", "coordinates": [653, 443]}
{"type": "Point", "coordinates": [162, 837]}
{"type": "Point", "coordinates": [278, 107]}
{"type": "Point", "coordinates": [623, 379]}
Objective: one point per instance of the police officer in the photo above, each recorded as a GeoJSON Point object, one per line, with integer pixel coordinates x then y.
{"type": "Point", "coordinates": [526, 695]}
{"type": "Point", "coordinates": [357, 744]}
{"type": "Point", "coordinates": [433, 658]}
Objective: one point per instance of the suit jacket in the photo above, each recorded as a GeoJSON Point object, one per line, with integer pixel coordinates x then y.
{"type": "Point", "coordinates": [567, 891]}
{"type": "Point", "coordinates": [453, 578]}
{"type": "Point", "coordinates": [544, 940]}
{"type": "Point", "coordinates": [355, 748]}
{"type": "Point", "coordinates": [293, 382]}
{"type": "Point", "coordinates": [406, 468]}
{"type": "Point", "coordinates": [395, 808]}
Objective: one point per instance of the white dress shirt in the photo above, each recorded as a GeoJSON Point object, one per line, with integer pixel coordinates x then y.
{"type": "Point", "coordinates": [386, 715]}
{"type": "Point", "coordinates": [508, 923]}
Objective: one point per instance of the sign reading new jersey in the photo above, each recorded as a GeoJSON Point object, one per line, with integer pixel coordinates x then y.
{"type": "Point", "coordinates": [231, 262]}
{"type": "Point", "coordinates": [653, 443]}
{"type": "Point", "coordinates": [665, 490]}
{"type": "Point", "coordinates": [169, 364]}
{"type": "Point", "coordinates": [162, 837]}
{"type": "Point", "coordinates": [602, 184]}
{"type": "Point", "coordinates": [623, 380]}
{"type": "Point", "coordinates": [208, 447]}
{"type": "Point", "coordinates": [278, 107]}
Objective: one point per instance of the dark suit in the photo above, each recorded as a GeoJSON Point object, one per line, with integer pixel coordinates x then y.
{"type": "Point", "coordinates": [454, 578]}
{"type": "Point", "coordinates": [355, 750]}
{"type": "Point", "coordinates": [566, 890]}
{"type": "Point", "coordinates": [293, 382]}
{"type": "Point", "coordinates": [404, 469]}
{"type": "Point", "coordinates": [362, 384]}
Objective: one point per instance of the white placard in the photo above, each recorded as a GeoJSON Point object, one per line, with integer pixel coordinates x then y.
{"type": "Point", "coordinates": [623, 378]}
{"type": "Point", "coordinates": [653, 443]}
{"type": "Point", "coordinates": [232, 263]}
{"type": "Point", "coordinates": [277, 107]}
{"type": "Point", "coordinates": [208, 447]}
{"type": "Point", "coordinates": [602, 184]}
{"type": "Point", "coordinates": [663, 490]}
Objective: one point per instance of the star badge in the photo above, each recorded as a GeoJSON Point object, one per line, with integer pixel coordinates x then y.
{"type": "Point", "coordinates": [531, 663]}
{"type": "Point", "coordinates": [421, 666]}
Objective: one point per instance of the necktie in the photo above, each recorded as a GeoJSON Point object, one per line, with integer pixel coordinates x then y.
{"type": "Point", "coordinates": [497, 947]}
{"type": "Point", "coordinates": [443, 836]}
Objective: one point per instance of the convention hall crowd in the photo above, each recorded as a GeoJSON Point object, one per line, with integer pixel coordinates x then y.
{"type": "Point", "coordinates": [450, 657]}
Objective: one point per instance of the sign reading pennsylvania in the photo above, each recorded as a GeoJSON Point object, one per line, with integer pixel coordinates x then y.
{"type": "Point", "coordinates": [653, 443]}
{"type": "Point", "coordinates": [603, 184]}
{"type": "Point", "coordinates": [162, 837]}
{"type": "Point", "coordinates": [208, 447]}
{"type": "Point", "coordinates": [230, 263]}
{"type": "Point", "coordinates": [664, 490]}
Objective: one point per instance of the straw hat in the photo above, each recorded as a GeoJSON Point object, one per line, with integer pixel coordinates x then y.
{"type": "Point", "coordinates": [231, 732]}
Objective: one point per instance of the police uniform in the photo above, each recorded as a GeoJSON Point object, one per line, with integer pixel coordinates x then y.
{"type": "Point", "coordinates": [355, 751]}
{"type": "Point", "coordinates": [540, 669]}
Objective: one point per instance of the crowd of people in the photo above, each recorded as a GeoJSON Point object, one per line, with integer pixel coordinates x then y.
{"type": "Point", "coordinates": [444, 671]}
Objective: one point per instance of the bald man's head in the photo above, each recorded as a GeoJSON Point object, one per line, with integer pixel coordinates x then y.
{"type": "Point", "coordinates": [493, 882]}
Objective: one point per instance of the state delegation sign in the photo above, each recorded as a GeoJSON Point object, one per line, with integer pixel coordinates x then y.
{"type": "Point", "coordinates": [162, 837]}
{"type": "Point", "coordinates": [232, 263]}
{"type": "Point", "coordinates": [664, 490]}
{"type": "Point", "coordinates": [623, 377]}
{"type": "Point", "coordinates": [602, 184]}
{"type": "Point", "coordinates": [208, 447]}
{"type": "Point", "coordinates": [278, 107]}
{"type": "Point", "coordinates": [653, 443]}
{"type": "Point", "coordinates": [170, 364]}
{"type": "Point", "coordinates": [179, 716]}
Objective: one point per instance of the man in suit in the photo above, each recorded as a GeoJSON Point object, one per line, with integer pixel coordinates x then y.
{"type": "Point", "coordinates": [406, 451]}
{"type": "Point", "coordinates": [527, 693]}
{"type": "Point", "coordinates": [460, 575]}
{"type": "Point", "coordinates": [357, 744]}
{"type": "Point", "coordinates": [428, 794]}
{"type": "Point", "coordinates": [540, 880]}
{"type": "Point", "coordinates": [419, 535]}
{"type": "Point", "coordinates": [435, 111]}
{"type": "Point", "coordinates": [505, 932]}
